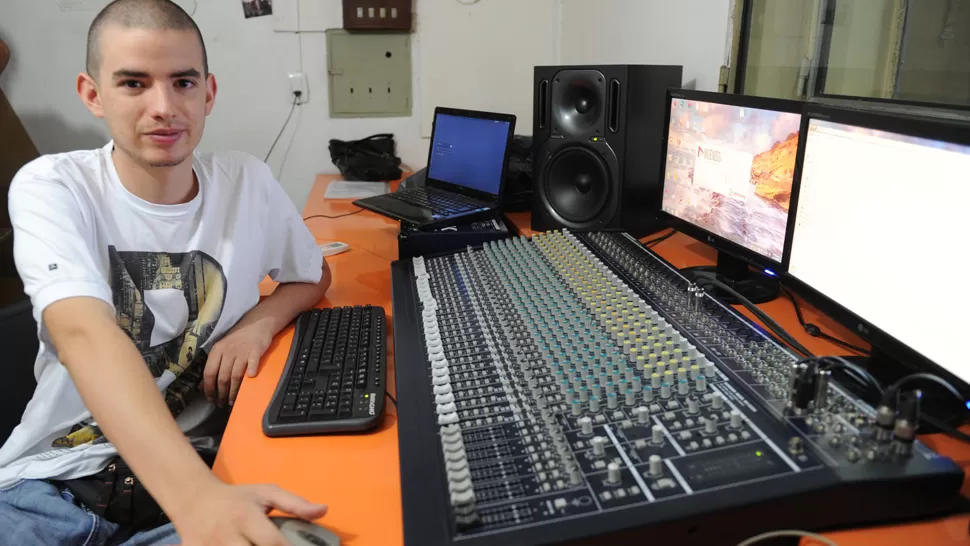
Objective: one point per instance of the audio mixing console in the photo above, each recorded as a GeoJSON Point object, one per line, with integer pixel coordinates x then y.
{"type": "Point", "coordinates": [576, 386]}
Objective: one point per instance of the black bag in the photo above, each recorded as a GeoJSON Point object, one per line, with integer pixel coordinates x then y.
{"type": "Point", "coordinates": [118, 496]}
{"type": "Point", "coordinates": [368, 159]}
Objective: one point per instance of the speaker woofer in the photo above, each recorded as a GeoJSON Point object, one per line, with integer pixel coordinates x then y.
{"type": "Point", "coordinates": [578, 184]}
{"type": "Point", "coordinates": [579, 102]}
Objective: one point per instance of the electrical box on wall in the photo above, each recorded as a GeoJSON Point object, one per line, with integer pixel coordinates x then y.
{"type": "Point", "coordinates": [369, 74]}
{"type": "Point", "coordinates": [377, 14]}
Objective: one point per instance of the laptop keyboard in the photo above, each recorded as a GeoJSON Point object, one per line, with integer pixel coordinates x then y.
{"type": "Point", "coordinates": [438, 203]}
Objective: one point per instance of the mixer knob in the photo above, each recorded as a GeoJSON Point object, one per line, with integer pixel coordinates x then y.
{"type": "Point", "coordinates": [647, 394]}
{"type": "Point", "coordinates": [655, 380]}
{"type": "Point", "coordinates": [613, 473]}
{"type": "Point", "coordinates": [717, 401]}
{"type": "Point", "coordinates": [735, 419]}
{"type": "Point", "coordinates": [570, 396]}
{"type": "Point", "coordinates": [710, 426]}
{"type": "Point", "coordinates": [631, 397]}
{"type": "Point", "coordinates": [656, 466]}
{"type": "Point", "coordinates": [692, 406]}
{"type": "Point", "coordinates": [586, 425]}
{"type": "Point", "coordinates": [795, 445]}
{"type": "Point", "coordinates": [657, 435]}
{"type": "Point", "coordinates": [835, 441]}
{"type": "Point", "coordinates": [665, 391]}
{"type": "Point", "coordinates": [637, 384]}
{"type": "Point", "coordinates": [599, 446]}
{"type": "Point", "coordinates": [594, 404]}
{"type": "Point", "coordinates": [852, 455]}
{"type": "Point", "coordinates": [611, 401]}
{"type": "Point", "coordinates": [576, 408]}
{"type": "Point", "coordinates": [709, 369]}
{"type": "Point", "coordinates": [681, 373]}
{"type": "Point", "coordinates": [629, 374]}
{"type": "Point", "coordinates": [683, 387]}
{"type": "Point", "coordinates": [700, 384]}
{"type": "Point", "coordinates": [643, 414]}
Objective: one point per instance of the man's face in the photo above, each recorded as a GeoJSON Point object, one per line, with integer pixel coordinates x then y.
{"type": "Point", "coordinates": [152, 92]}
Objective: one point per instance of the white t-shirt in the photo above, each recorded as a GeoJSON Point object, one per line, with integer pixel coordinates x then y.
{"type": "Point", "coordinates": [177, 276]}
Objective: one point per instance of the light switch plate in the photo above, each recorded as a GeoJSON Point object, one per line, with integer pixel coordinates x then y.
{"type": "Point", "coordinates": [369, 73]}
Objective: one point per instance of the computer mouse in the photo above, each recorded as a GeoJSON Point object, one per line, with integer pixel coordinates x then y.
{"type": "Point", "coordinates": [304, 533]}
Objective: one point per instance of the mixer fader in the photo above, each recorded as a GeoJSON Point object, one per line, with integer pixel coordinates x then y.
{"type": "Point", "coordinates": [568, 386]}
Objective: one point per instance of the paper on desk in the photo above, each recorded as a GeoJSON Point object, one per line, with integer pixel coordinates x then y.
{"type": "Point", "coordinates": [341, 189]}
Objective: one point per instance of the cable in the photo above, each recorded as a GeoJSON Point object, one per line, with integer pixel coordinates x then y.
{"type": "Point", "coordinates": [945, 428]}
{"type": "Point", "coordinates": [788, 533]}
{"type": "Point", "coordinates": [358, 211]}
{"type": "Point", "coordinates": [814, 331]}
{"type": "Point", "coordinates": [296, 98]}
{"type": "Point", "coordinates": [894, 388]}
{"type": "Point", "coordinates": [861, 375]}
{"type": "Point", "coordinates": [768, 321]}
{"type": "Point", "coordinates": [289, 144]}
{"type": "Point", "coordinates": [393, 401]}
{"type": "Point", "coordinates": [660, 239]}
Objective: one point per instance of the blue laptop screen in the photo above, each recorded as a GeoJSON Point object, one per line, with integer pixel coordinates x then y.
{"type": "Point", "coordinates": [469, 152]}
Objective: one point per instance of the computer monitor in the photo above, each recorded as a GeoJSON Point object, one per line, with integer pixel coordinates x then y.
{"type": "Point", "coordinates": [469, 151]}
{"type": "Point", "coordinates": [729, 170]}
{"type": "Point", "coordinates": [877, 226]}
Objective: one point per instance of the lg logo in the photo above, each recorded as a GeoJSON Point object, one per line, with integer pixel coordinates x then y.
{"type": "Point", "coordinates": [862, 329]}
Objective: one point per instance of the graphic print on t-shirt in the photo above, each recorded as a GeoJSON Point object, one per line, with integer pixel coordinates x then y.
{"type": "Point", "coordinates": [176, 362]}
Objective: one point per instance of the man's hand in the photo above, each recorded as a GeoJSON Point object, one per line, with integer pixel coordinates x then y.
{"type": "Point", "coordinates": [237, 353]}
{"type": "Point", "coordinates": [243, 346]}
{"type": "Point", "coordinates": [233, 515]}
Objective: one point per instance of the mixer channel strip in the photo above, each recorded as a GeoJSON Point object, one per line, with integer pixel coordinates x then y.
{"type": "Point", "coordinates": [571, 376]}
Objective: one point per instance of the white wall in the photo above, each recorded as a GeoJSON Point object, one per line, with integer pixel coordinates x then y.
{"type": "Point", "coordinates": [692, 33]}
{"type": "Point", "coordinates": [251, 62]}
{"type": "Point", "coordinates": [478, 56]}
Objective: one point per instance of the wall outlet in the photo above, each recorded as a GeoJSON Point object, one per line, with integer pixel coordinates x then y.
{"type": "Point", "coordinates": [299, 83]}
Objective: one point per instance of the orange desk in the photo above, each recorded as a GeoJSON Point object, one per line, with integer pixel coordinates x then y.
{"type": "Point", "coordinates": [359, 475]}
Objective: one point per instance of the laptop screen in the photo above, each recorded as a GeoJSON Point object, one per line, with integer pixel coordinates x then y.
{"type": "Point", "coordinates": [469, 152]}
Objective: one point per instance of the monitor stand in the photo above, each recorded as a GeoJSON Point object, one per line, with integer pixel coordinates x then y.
{"type": "Point", "coordinates": [757, 287]}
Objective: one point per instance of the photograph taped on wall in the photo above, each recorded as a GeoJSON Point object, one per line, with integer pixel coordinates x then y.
{"type": "Point", "coordinates": [257, 8]}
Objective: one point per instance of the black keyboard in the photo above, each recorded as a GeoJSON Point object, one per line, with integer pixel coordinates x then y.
{"type": "Point", "coordinates": [436, 202]}
{"type": "Point", "coordinates": [335, 375]}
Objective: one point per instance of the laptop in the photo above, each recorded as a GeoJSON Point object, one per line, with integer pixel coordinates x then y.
{"type": "Point", "coordinates": [465, 176]}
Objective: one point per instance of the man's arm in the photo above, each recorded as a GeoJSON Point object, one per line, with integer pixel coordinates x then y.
{"type": "Point", "coordinates": [239, 351]}
{"type": "Point", "coordinates": [119, 391]}
{"type": "Point", "coordinates": [121, 394]}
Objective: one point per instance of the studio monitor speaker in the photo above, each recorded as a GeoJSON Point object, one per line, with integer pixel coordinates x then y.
{"type": "Point", "coordinates": [598, 134]}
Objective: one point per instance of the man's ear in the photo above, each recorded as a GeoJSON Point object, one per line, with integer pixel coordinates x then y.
{"type": "Point", "coordinates": [90, 95]}
{"type": "Point", "coordinates": [210, 93]}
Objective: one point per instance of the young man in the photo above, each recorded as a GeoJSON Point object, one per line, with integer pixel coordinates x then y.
{"type": "Point", "coordinates": [142, 261]}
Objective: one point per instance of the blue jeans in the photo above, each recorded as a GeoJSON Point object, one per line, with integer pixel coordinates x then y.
{"type": "Point", "coordinates": [36, 512]}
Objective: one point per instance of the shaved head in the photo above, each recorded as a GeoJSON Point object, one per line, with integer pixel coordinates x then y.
{"type": "Point", "coordinates": [141, 14]}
